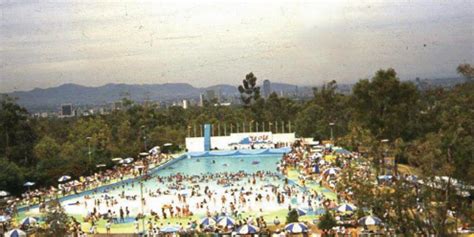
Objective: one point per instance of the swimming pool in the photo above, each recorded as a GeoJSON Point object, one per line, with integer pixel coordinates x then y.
{"type": "Point", "coordinates": [185, 165]}
{"type": "Point", "coordinates": [219, 164]}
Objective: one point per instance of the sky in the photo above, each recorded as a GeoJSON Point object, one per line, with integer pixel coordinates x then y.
{"type": "Point", "coordinates": [207, 42]}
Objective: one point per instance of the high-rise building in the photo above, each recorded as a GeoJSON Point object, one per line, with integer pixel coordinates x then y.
{"type": "Point", "coordinates": [267, 90]}
{"type": "Point", "coordinates": [185, 104]}
{"type": "Point", "coordinates": [66, 110]}
{"type": "Point", "coordinates": [201, 100]}
{"type": "Point", "coordinates": [210, 95]}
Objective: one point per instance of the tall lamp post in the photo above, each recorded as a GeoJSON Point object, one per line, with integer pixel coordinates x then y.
{"type": "Point", "coordinates": [384, 151]}
{"type": "Point", "coordinates": [143, 134]}
{"type": "Point", "coordinates": [331, 125]}
{"type": "Point", "coordinates": [89, 151]}
{"type": "Point", "coordinates": [140, 170]}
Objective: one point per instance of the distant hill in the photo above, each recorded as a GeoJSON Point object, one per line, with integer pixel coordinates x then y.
{"type": "Point", "coordinates": [51, 98]}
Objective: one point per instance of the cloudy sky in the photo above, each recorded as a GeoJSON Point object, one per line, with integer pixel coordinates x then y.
{"type": "Point", "coordinates": [206, 42]}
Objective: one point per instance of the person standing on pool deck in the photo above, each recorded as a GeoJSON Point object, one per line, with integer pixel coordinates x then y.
{"type": "Point", "coordinates": [121, 215]}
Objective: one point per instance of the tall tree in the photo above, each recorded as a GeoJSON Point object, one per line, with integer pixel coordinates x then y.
{"type": "Point", "coordinates": [386, 106]}
{"type": "Point", "coordinates": [467, 71]}
{"type": "Point", "coordinates": [249, 91]}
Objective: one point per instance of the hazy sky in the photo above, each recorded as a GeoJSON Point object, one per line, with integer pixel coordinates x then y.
{"type": "Point", "coordinates": [205, 42]}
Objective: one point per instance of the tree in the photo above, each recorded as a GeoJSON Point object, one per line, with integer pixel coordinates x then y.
{"type": "Point", "coordinates": [11, 177]}
{"type": "Point", "coordinates": [467, 71]}
{"type": "Point", "coordinates": [386, 106]}
{"type": "Point", "coordinates": [249, 91]}
{"type": "Point", "coordinates": [17, 136]}
{"type": "Point", "coordinates": [56, 219]}
{"type": "Point", "coordinates": [292, 216]}
{"type": "Point", "coordinates": [47, 147]}
{"type": "Point", "coordinates": [327, 221]}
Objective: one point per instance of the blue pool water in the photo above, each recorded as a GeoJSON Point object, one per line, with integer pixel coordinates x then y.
{"type": "Point", "coordinates": [214, 164]}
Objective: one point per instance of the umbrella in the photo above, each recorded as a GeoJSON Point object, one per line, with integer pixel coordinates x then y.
{"type": "Point", "coordinates": [127, 161]}
{"type": "Point", "coordinates": [301, 212]}
{"type": "Point", "coordinates": [28, 221]}
{"type": "Point", "coordinates": [370, 220]}
{"type": "Point", "coordinates": [247, 229]}
{"type": "Point", "coordinates": [331, 171]}
{"type": "Point", "coordinates": [154, 150]}
{"type": "Point", "coordinates": [225, 221]}
{"type": "Point", "coordinates": [208, 221]}
{"type": "Point", "coordinates": [29, 184]}
{"type": "Point", "coordinates": [345, 207]}
{"type": "Point", "coordinates": [64, 178]}
{"type": "Point", "coordinates": [385, 177]}
{"type": "Point", "coordinates": [4, 193]}
{"type": "Point", "coordinates": [15, 233]}
{"type": "Point", "coordinates": [117, 159]}
{"type": "Point", "coordinates": [4, 219]}
{"type": "Point", "coordinates": [170, 229]}
{"type": "Point", "coordinates": [296, 227]}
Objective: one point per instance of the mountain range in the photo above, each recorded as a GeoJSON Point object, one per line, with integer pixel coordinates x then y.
{"type": "Point", "coordinates": [50, 99]}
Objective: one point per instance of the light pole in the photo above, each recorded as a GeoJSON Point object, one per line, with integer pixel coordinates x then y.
{"type": "Point", "coordinates": [89, 151]}
{"type": "Point", "coordinates": [140, 170]}
{"type": "Point", "coordinates": [384, 151]}
{"type": "Point", "coordinates": [331, 125]}
{"type": "Point", "coordinates": [143, 133]}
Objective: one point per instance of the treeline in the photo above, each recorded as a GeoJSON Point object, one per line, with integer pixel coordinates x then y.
{"type": "Point", "coordinates": [433, 123]}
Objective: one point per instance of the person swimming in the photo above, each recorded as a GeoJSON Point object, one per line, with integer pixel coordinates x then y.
{"type": "Point", "coordinates": [213, 161]}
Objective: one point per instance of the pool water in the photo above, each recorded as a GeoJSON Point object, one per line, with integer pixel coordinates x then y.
{"type": "Point", "coordinates": [248, 164]}
{"type": "Point", "coordinates": [219, 164]}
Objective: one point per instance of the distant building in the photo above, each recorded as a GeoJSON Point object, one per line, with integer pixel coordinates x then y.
{"type": "Point", "coordinates": [201, 100]}
{"type": "Point", "coordinates": [267, 90]}
{"type": "Point", "coordinates": [211, 95]}
{"type": "Point", "coordinates": [66, 110]}
{"type": "Point", "coordinates": [185, 104]}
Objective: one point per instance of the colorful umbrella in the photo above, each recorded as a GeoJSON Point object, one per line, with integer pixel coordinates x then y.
{"type": "Point", "coordinates": [225, 221]}
{"type": "Point", "coordinates": [345, 207]}
{"type": "Point", "coordinates": [331, 171]}
{"type": "Point", "coordinates": [28, 184]}
{"type": "Point", "coordinates": [4, 193]}
{"type": "Point", "coordinates": [247, 229]}
{"type": "Point", "coordinates": [301, 212]}
{"type": "Point", "coordinates": [28, 221]}
{"type": "Point", "coordinates": [369, 220]}
{"type": "Point", "coordinates": [64, 178]}
{"type": "Point", "coordinates": [208, 221]}
{"type": "Point", "coordinates": [15, 233]}
{"type": "Point", "coordinates": [170, 229]}
{"type": "Point", "coordinates": [296, 228]}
